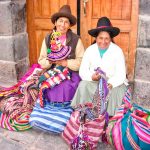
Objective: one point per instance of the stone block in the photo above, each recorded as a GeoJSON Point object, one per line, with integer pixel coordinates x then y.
{"type": "Point", "coordinates": [142, 66]}
{"type": "Point", "coordinates": [8, 71]}
{"type": "Point", "coordinates": [21, 67]}
{"type": "Point", "coordinates": [18, 16]}
{"type": "Point", "coordinates": [12, 17]}
{"type": "Point", "coordinates": [144, 7]}
{"type": "Point", "coordinates": [11, 72]}
{"type": "Point", "coordinates": [6, 48]}
{"type": "Point", "coordinates": [144, 31]}
{"type": "Point", "coordinates": [27, 138]}
{"type": "Point", "coordinates": [20, 46]}
{"type": "Point", "coordinates": [141, 94]}
{"type": "Point", "coordinates": [14, 48]}
{"type": "Point", "coordinates": [5, 144]}
{"type": "Point", "coordinates": [53, 141]}
{"type": "Point", "coordinates": [5, 18]}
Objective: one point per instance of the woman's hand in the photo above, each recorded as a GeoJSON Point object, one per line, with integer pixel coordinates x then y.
{"type": "Point", "coordinates": [109, 86]}
{"type": "Point", "coordinates": [61, 62]}
{"type": "Point", "coordinates": [96, 76]}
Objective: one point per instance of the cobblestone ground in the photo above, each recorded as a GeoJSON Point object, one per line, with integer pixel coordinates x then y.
{"type": "Point", "coordinates": [34, 139]}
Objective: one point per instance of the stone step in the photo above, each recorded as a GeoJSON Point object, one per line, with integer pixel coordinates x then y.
{"type": "Point", "coordinates": [34, 139]}
{"type": "Point", "coordinates": [5, 83]}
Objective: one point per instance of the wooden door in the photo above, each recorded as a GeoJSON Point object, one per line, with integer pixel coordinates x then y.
{"type": "Point", "coordinates": [123, 14]}
{"type": "Point", "coordinates": [39, 23]}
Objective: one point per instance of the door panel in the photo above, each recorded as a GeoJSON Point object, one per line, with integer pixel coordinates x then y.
{"type": "Point", "coordinates": [123, 14]}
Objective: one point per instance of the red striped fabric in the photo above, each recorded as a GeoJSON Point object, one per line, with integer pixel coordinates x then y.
{"type": "Point", "coordinates": [93, 129]}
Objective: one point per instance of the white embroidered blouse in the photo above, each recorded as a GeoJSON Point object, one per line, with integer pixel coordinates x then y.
{"type": "Point", "coordinates": [112, 63]}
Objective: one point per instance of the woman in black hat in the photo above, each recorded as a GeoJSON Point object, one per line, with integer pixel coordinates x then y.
{"type": "Point", "coordinates": [109, 57]}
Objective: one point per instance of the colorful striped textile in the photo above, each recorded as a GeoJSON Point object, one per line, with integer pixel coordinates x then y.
{"type": "Point", "coordinates": [13, 90]}
{"type": "Point", "coordinates": [19, 123]}
{"type": "Point", "coordinates": [126, 100]}
{"type": "Point", "coordinates": [130, 127]}
{"type": "Point", "coordinates": [52, 78]}
{"type": "Point", "coordinates": [17, 102]}
{"type": "Point", "coordinates": [52, 118]}
{"type": "Point", "coordinates": [118, 115]}
{"type": "Point", "coordinates": [93, 129]}
{"type": "Point", "coordinates": [16, 111]}
{"type": "Point", "coordinates": [86, 123]}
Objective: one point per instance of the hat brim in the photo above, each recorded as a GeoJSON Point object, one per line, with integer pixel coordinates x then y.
{"type": "Point", "coordinates": [71, 18]}
{"type": "Point", "coordinates": [114, 31]}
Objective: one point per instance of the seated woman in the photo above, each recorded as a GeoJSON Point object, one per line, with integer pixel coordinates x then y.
{"type": "Point", "coordinates": [109, 57]}
{"type": "Point", "coordinates": [63, 20]}
{"type": "Point", "coordinates": [60, 49]}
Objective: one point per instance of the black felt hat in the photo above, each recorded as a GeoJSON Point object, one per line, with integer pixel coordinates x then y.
{"type": "Point", "coordinates": [104, 24]}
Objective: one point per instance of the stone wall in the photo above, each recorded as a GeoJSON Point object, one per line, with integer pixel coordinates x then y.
{"type": "Point", "coordinates": [13, 41]}
{"type": "Point", "coordinates": [142, 69]}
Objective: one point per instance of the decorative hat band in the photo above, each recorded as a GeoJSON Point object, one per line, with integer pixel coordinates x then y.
{"type": "Point", "coordinates": [104, 24]}
{"type": "Point", "coordinates": [103, 27]}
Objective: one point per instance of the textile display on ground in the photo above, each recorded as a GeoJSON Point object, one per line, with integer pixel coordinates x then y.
{"type": "Point", "coordinates": [16, 102]}
{"type": "Point", "coordinates": [47, 115]}
{"type": "Point", "coordinates": [130, 127]}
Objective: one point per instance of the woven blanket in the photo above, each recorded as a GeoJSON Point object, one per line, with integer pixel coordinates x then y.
{"type": "Point", "coordinates": [130, 127]}
{"type": "Point", "coordinates": [52, 118]}
{"type": "Point", "coordinates": [17, 109]}
{"type": "Point", "coordinates": [17, 102]}
{"type": "Point", "coordinates": [52, 78]}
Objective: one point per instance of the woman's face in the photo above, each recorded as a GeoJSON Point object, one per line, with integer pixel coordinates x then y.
{"type": "Point", "coordinates": [62, 25]}
{"type": "Point", "coordinates": [103, 40]}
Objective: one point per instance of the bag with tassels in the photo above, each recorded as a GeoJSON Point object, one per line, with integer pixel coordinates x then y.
{"type": "Point", "coordinates": [86, 123]}
{"type": "Point", "coordinates": [130, 127]}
